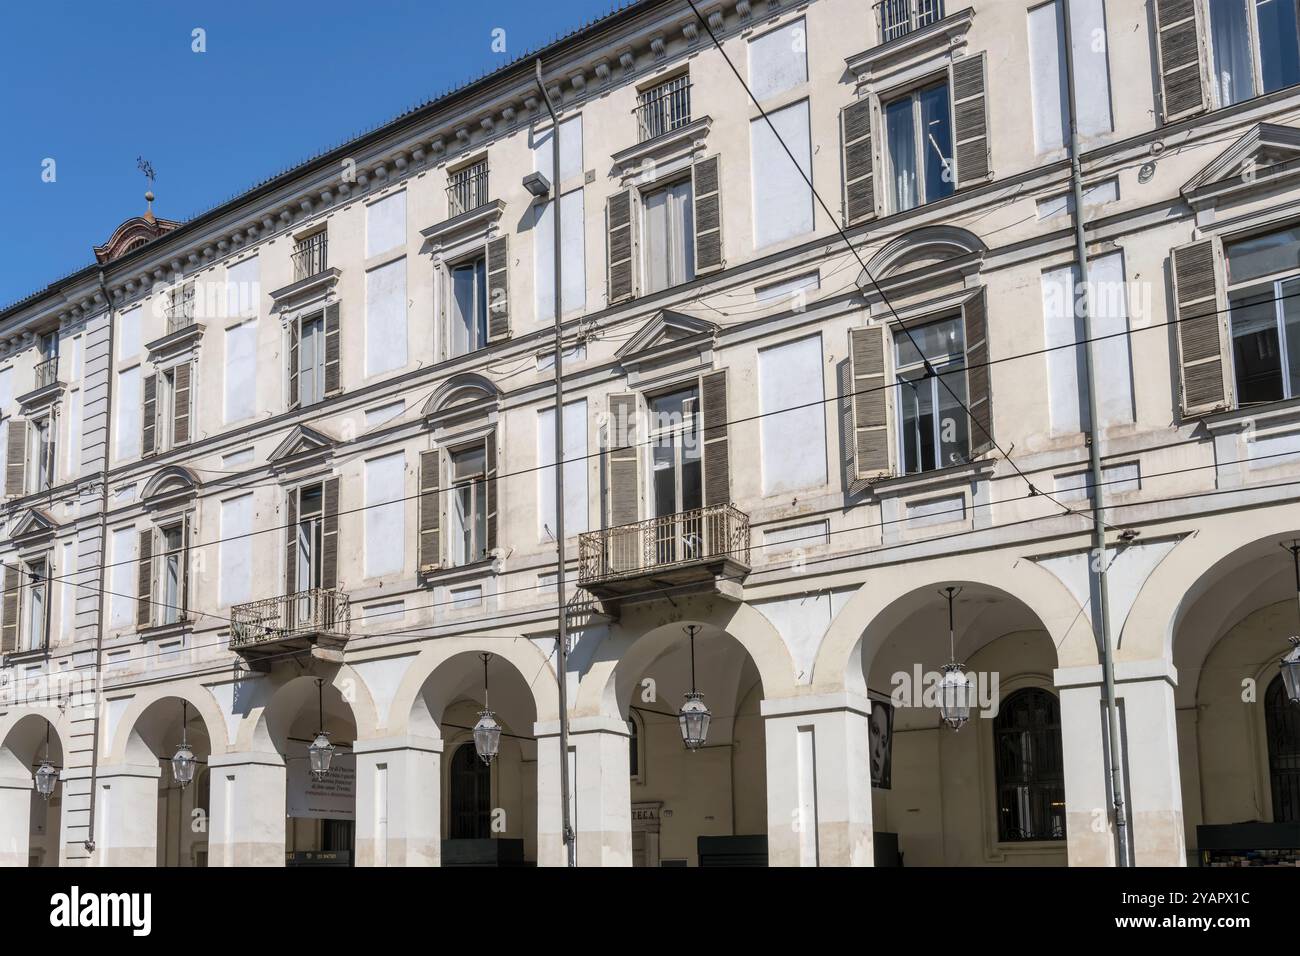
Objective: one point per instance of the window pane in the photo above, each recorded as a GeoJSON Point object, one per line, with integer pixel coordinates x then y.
{"type": "Point", "coordinates": [938, 341]}
{"type": "Point", "coordinates": [469, 298]}
{"type": "Point", "coordinates": [1231, 76]}
{"type": "Point", "coordinates": [900, 136]}
{"type": "Point", "coordinates": [917, 409]}
{"type": "Point", "coordinates": [1290, 296]}
{"type": "Point", "coordinates": [936, 128]}
{"type": "Point", "coordinates": [682, 237]}
{"type": "Point", "coordinates": [1263, 255]}
{"type": "Point", "coordinates": [656, 241]}
{"type": "Point", "coordinates": [1279, 43]}
{"type": "Point", "coordinates": [954, 440]}
{"type": "Point", "coordinates": [664, 478]}
{"type": "Point", "coordinates": [468, 464]}
{"type": "Point", "coordinates": [461, 524]}
{"type": "Point", "coordinates": [1256, 357]}
{"type": "Point", "coordinates": [311, 358]}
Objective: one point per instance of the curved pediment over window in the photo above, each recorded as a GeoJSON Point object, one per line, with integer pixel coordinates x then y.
{"type": "Point", "coordinates": [170, 483]}
{"type": "Point", "coordinates": [466, 394]}
{"type": "Point", "coordinates": [925, 248]}
{"type": "Point", "coordinates": [131, 235]}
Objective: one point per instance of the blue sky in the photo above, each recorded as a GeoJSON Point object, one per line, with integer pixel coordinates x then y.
{"type": "Point", "coordinates": [92, 85]}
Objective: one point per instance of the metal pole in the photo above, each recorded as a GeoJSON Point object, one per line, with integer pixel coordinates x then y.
{"type": "Point", "coordinates": [562, 638]}
{"type": "Point", "coordinates": [1101, 619]}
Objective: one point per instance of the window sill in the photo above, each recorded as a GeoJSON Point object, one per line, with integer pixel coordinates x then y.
{"type": "Point", "coordinates": [303, 287]}
{"type": "Point", "coordinates": [157, 632]}
{"type": "Point", "coordinates": [935, 480]}
{"type": "Point", "coordinates": [460, 573]}
{"type": "Point", "coordinates": [1282, 412]}
{"type": "Point", "coordinates": [39, 398]}
{"type": "Point", "coordinates": [15, 658]}
{"type": "Point", "coordinates": [161, 349]}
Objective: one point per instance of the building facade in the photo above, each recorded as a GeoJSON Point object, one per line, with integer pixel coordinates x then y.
{"type": "Point", "coordinates": [289, 467]}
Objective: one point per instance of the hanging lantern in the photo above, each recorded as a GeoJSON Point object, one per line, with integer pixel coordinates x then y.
{"type": "Point", "coordinates": [487, 732]}
{"type": "Point", "coordinates": [46, 779]}
{"type": "Point", "coordinates": [694, 717]}
{"type": "Point", "coordinates": [183, 762]}
{"type": "Point", "coordinates": [1290, 668]}
{"type": "Point", "coordinates": [955, 692]}
{"type": "Point", "coordinates": [321, 751]}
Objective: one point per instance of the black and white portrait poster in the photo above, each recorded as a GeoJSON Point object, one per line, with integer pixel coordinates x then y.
{"type": "Point", "coordinates": [881, 740]}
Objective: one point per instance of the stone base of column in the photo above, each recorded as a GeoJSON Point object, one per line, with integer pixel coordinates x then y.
{"type": "Point", "coordinates": [399, 801]}
{"type": "Point", "coordinates": [15, 820]}
{"type": "Point", "coordinates": [246, 827]}
{"type": "Point", "coordinates": [126, 828]}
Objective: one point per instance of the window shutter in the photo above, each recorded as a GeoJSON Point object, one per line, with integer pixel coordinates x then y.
{"type": "Point", "coordinates": [181, 405]}
{"type": "Point", "coordinates": [620, 245]}
{"type": "Point", "coordinates": [624, 475]}
{"type": "Point", "coordinates": [12, 606]}
{"type": "Point", "coordinates": [859, 164]}
{"type": "Point", "coordinates": [869, 403]}
{"type": "Point", "coordinates": [706, 192]}
{"type": "Point", "coordinates": [293, 363]}
{"type": "Point", "coordinates": [185, 568]}
{"type": "Point", "coordinates": [16, 462]}
{"type": "Point", "coordinates": [979, 392]}
{"type": "Point", "coordinates": [1203, 351]}
{"type": "Point", "coordinates": [329, 565]}
{"type": "Point", "coordinates": [1182, 91]}
{"type": "Point", "coordinates": [332, 336]}
{"type": "Point", "coordinates": [144, 580]}
{"type": "Point", "coordinates": [149, 416]}
{"type": "Point", "coordinates": [713, 419]}
{"type": "Point", "coordinates": [498, 289]}
{"type": "Point", "coordinates": [291, 544]}
{"type": "Point", "coordinates": [49, 599]}
{"type": "Point", "coordinates": [430, 511]}
{"type": "Point", "coordinates": [970, 120]}
{"type": "Point", "coordinates": [490, 488]}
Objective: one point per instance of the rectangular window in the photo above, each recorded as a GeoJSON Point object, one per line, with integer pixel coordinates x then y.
{"type": "Point", "coordinates": [663, 108]}
{"type": "Point", "coordinates": [918, 135]}
{"type": "Point", "coordinates": [1264, 316]}
{"type": "Point", "coordinates": [171, 573]}
{"type": "Point", "coordinates": [676, 478]}
{"type": "Point", "coordinates": [38, 601]}
{"type": "Point", "coordinates": [932, 427]}
{"type": "Point", "coordinates": [311, 360]}
{"type": "Point", "coordinates": [310, 256]}
{"type": "Point", "coordinates": [900, 17]}
{"type": "Point", "coordinates": [180, 307]}
{"type": "Point", "coordinates": [1254, 48]}
{"type": "Point", "coordinates": [40, 454]}
{"type": "Point", "coordinates": [467, 188]}
{"type": "Point", "coordinates": [669, 237]}
{"type": "Point", "coordinates": [468, 505]}
{"type": "Point", "coordinates": [1048, 82]}
{"type": "Point", "coordinates": [310, 533]}
{"type": "Point", "coordinates": [469, 306]}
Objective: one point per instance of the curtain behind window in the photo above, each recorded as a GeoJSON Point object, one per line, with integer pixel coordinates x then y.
{"type": "Point", "coordinates": [1232, 69]}
{"type": "Point", "coordinates": [901, 139]}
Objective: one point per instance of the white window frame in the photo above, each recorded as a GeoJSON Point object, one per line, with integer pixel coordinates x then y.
{"type": "Point", "coordinates": [1256, 52]}
{"type": "Point", "coordinates": [946, 364]}
{"type": "Point", "coordinates": [41, 455]}
{"type": "Point", "coordinates": [30, 627]}
{"type": "Point", "coordinates": [1274, 282]}
{"type": "Point", "coordinates": [476, 486]}
{"type": "Point", "coordinates": [169, 613]}
{"type": "Point", "coordinates": [684, 229]}
{"type": "Point", "coordinates": [309, 530]}
{"type": "Point", "coordinates": [476, 258]}
{"type": "Point", "coordinates": [921, 147]}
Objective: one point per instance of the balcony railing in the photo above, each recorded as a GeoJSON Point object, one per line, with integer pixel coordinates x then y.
{"type": "Point", "coordinates": [468, 189]}
{"type": "Point", "coordinates": [663, 108]}
{"type": "Point", "coordinates": [310, 256]}
{"type": "Point", "coordinates": [304, 616]}
{"type": "Point", "coordinates": [180, 309]}
{"type": "Point", "coordinates": [47, 372]}
{"type": "Point", "coordinates": [900, 17]}
{"type": "Point", "coordinates": [705, 535]}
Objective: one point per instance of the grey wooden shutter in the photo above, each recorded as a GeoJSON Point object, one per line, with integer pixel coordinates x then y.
{"type": "Point", "coordinates": [490, 488]}
{"type": "Point", "coordinates": [149, 416]}
{"type": "Point", "coordinates": [16, 460]}
{"type": "Point", "coordinates": [498, 288]}
{"type": "Point", "coordinates": [329, 565]}
{"type": "Point", "coordinates": [859, 164]}
{"type": "Point", "coordinates": [185, 568]}
{"type": "Point", "coordinates": [706, 193]}
{"type": "Point", "coordinates": [181, 398]}
{"type": "Point", "coordinates": [294, 334]}
{"type": "Point", "coordinates": [144, 580]}
{"type": "Point", "coordinates": [49, 599]}
{"type": "Point", "coordinates": [12, 605]}
{"type": "Point", "coordinates": [869, 403]}
{"type": "Point", "coordinates": [1182, 90]}
{"type": "Point", "coordinates": [291, 543]}
{"type": "Point", "coordinates": [430, 511]}
{"type": "Point", "coordinates": [620, 210]}
{"type": "Point", "coordinates": [624, 475]}
{"type": "Point", "coordinates": [333, 381]}
{"type": "Point", "coordinates": [979, 392]}
{"type": "Point", "coordinates": [1203, 348]}
{"type": "Point", "coordinates": [713, 419]}
{"type": "Point", "coordinates": [970, 120]}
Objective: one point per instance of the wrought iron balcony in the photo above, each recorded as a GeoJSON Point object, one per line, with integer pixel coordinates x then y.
{"type": "Point", "coordinates": [180, 308]}
{"type": "Point", "coordinates": [663, 108]}
{"type": "Point", "coordinates": [47, 373]}
{"type": "Point", "coordinates": [311, 256]}
{"type": "Point", "coordinates": [706, 546]}
{"type": "Point", "coordinates": [290, 622]}
{"type": "Point", "coordinates": [468, 189]}
{"type": "Point", "coordinates": [898, 18]}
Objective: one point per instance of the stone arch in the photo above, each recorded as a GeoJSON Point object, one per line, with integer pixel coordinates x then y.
{"type": "Point", "coordinates": [173, 481]}
{"type": "Point", "coordinates": [926, 245]}
{"type": "Point", "coordinates": [22, 740]}
{"type": "Point", "coordinates": [267, 723]}
{"type": "Point", "coordinates": [135, 738]}
{"type": "Point", "coordinates": [865, 622]}
{"type": "Point", "coordinates": [464, 392]}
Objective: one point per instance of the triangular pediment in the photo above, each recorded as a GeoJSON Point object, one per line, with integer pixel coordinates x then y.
{"type": "Point", "coordinates": [301, 441]}
{"type": "Point", "coordinates": [33, 523]}
{"type": "Point", "coordinates": [1266, 151]}
{"type": "Point", "coordinates": [666, 328]}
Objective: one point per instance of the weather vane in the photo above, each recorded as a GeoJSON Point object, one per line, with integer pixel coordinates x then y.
{"type": "Point", "coordinates": [146, 167]}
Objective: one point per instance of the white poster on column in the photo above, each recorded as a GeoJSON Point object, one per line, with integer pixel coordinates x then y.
{"type": "Point", "coordinates": [333, 797]}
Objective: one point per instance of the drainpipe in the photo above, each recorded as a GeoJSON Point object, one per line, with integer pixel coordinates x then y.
{"type": "Point", "coordinates": [562, 639]}
{"type": "Point", "coordinates": [1101, 619]}
{"type": "Point", "coordinates": [103, 556]}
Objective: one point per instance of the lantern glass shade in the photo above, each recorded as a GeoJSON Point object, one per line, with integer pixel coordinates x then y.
{"type": "Point", "coordinates": [183, 765]}
{"type": "Point", "coordinates": [487, 736]}
{"type": "Point", "coordinates": [47, 776]}
{"type": "Point", "coordinates": [694, 720]}
{"type": "Point", "coordinates": [954, 696]}
{"type": "Point", "coordinates": [321, 754]}
{"type": "Point", "coordinates": [1290, 668]}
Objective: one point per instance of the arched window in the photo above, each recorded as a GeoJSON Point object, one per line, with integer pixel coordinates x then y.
{"type": "Point", "coordinates": [471, 795]}
{"type": "Point", "coordinates": [1030, 779]}
{"type": "Point", "coordinates": [1282, 725]}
